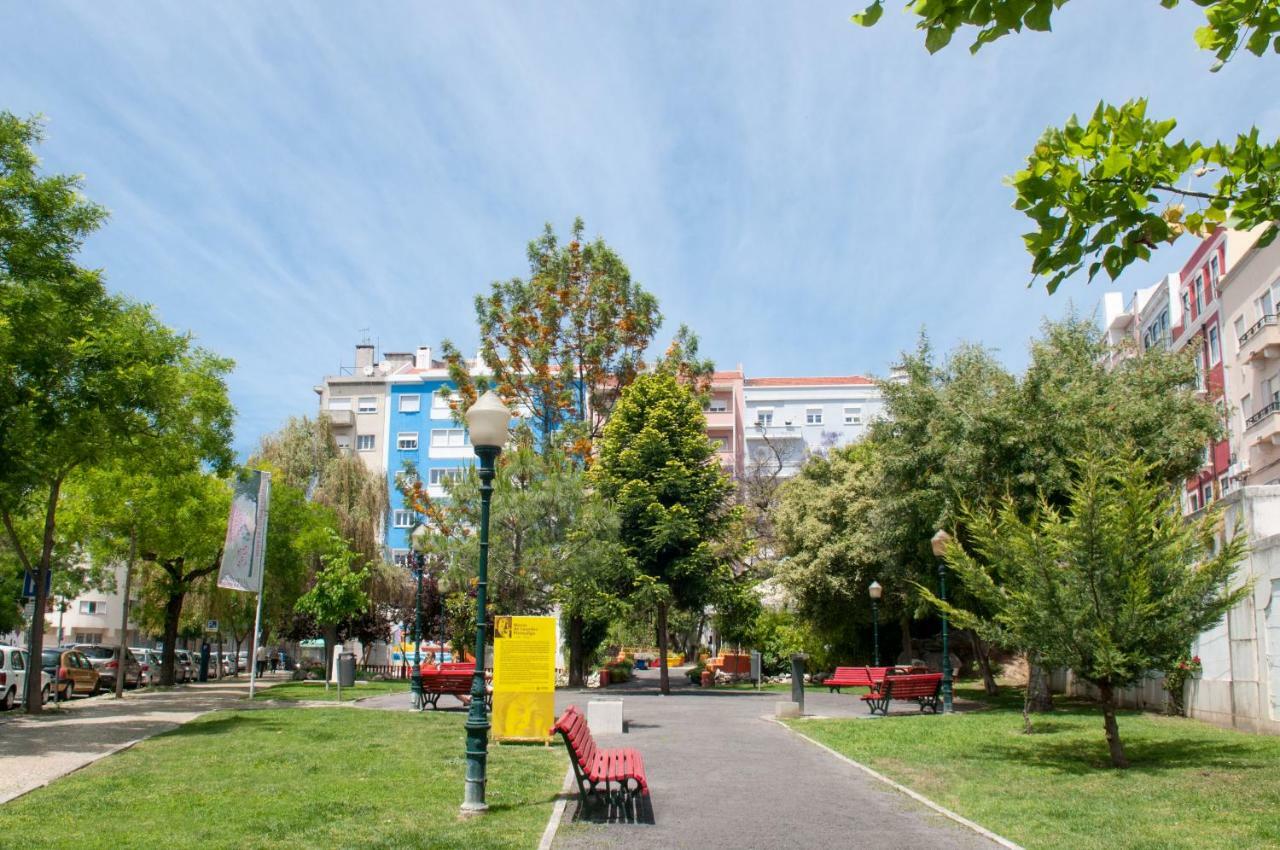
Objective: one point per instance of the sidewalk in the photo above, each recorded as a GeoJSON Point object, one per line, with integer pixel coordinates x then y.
{"type": "Point", "coordinates": [34, 751]}
{"type": "Point", "coordinates": [722, 775]}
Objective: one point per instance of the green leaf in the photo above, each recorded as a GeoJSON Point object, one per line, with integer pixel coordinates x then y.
{"type": "Point", "coordinates": [869, 16]}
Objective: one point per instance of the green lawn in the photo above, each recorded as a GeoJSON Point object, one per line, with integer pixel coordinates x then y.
{"type": "Point", "coordinates": [304, 691]}
{"type": "Point", "coordinates": [288, 778]}
{"type": "Point", "coordinates": [1190, 785]}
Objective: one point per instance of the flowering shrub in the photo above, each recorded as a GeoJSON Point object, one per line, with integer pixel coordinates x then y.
{"type": "Point", "coordinates": [1175, 679]}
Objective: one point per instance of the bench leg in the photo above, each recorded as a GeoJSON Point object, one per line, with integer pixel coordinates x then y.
{"type": "Point", "coordinates": [878, 706]}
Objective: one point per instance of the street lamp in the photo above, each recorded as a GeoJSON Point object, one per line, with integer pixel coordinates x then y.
{"type": "Point", "coordinates": [940, 542]}
{"type": "Point", "coordinates": [487, 420]}
{"type": "Point", "coordinates": [418, 540]}
{"type": "Point", "coordinates": [875, 591]}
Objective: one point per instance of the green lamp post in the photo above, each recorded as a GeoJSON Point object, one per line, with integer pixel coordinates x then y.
{"type": "Point", "coordinates": [875, 591]}
{"type": "Point", "coordinates": [418, 540]}
{"type": "Point", "coordinates": [940, 542]}
{"type": "Point", "coordinates": [487, 421]}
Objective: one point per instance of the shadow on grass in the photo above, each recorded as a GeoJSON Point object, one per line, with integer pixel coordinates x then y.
{"type": "Point", "coordinates": [222, 725]}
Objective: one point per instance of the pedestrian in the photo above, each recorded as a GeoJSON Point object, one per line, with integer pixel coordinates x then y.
{"type": "Point", "coordinates": [275, 661]}
{"type": "Point", "coordinates": [260, 657]}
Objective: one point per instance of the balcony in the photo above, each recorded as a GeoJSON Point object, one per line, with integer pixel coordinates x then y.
{"type": "Point", "coordinates": [1262, 341]}
{"type": "Point", "coordinates": [1264, 426]}
{"type": "Point", "coordinates": [719, 419]}
{"type": "Point", "coordinates": [341, 418]}
{"type": "Point", "coordinates": [775, 432]}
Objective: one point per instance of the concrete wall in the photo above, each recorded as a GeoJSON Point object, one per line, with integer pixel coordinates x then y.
{"type": "Point", "coordinates": [1239, 686]}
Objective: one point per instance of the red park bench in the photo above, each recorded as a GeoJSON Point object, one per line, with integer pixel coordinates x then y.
{"type": "Point", "coordinates": [921, 687]}
{"type": "Point", "coordinates": [614, 777]}
{"type": "Point", "coordinates": [452, 678]}
{"type": "Point", "coordinates": [855, 677]}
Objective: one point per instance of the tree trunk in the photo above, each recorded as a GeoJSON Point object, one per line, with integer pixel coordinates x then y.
{"type": "Point", "coordinates": [664, 682]}
{"type": "Point", "coordinates": [1109, 723]}
{"type": "Point", "coordinates": [982, 653]}
{"type": "Point", "coordinates": [172, 614]}
{"type": "Point", "coordinates": [908, 645]}
{"type": "Point", "coordinates": [330, 643]}
{"type": "Point", "coordinates": [577, 671]}
{"type": "Point", "coordinates": [1039, 695]}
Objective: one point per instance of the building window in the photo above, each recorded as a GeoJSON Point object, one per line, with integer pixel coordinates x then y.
{"type": "Point", "coordinates": [410, 403]}
{"type": "Point", "coordinates": [404, 478]}
{"type": "Point", "coordinates": [1215, 351]}
{"type": "Point", "coordinates": [813, 416]}
{"type": "Point", "coordinates": [1199, 370]}
{"type": "Point", "coordinates": [343, 442]}
{"type": "Point", "coordinates": [402, 519]}
{"type": "Point", "coordinates": [367, 404]}
{"type": "Point", "coordinates": [1197, 287]}
{"type": "Point", "coordinates": [89, 637]}
{"type": "Point", "coordinates": [717, 405]}
{"type": "Point", "coordinates": [853, 416]}
{"type": "Point", "coordinates": [1246, 406]}
{"type": "Point", "coordinates": [444, 403]}
{"type": "Point", "coordinates": [441, 475]}
{"type": "Point", "coordinates": [1239, 326]}
{"type": "Point", "coordinates": [407, 441]}
{"type": "Point", "coordinates": [1186, 307]}
{"type": "Point", "coordinates": [340, 404]}
{"type": "Point", "coordinates": [1206, 495]}
{"type": "Point", "coordinates": [764, 417]}
{"type": "Point", "coordinates": [401, 558]}
{"type": "Point", "coordinates": [364, 443]}
{"type": "Point", "coordinates": [1214, 273]}
{"type": "Point", "coordinates": [449, 438]}
{"type": "Point", "coordinates": [92, 607]}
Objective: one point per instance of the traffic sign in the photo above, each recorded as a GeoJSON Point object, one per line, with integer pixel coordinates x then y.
{"type": "Point", "coordinates": [211, 626]}
{"type": "Point", "coordinates": [29, 584]}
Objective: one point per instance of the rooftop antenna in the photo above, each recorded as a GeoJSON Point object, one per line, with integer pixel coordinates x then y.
{"type": "Point", "coordinates": [364, 336]}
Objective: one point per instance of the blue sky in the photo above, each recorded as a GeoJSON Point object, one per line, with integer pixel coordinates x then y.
{"type": "Point", "coordinates": [804, 193]}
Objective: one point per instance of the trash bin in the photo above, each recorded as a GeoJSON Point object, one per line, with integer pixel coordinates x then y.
{"type": "Point", "coordinates": [347, 669]}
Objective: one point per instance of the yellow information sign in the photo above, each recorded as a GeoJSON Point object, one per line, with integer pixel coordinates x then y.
{"type": "Point", "coordinates": [524, 678]}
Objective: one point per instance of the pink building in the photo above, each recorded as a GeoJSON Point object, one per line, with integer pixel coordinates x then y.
{"type": "Point", "coordinates": [725, 414]}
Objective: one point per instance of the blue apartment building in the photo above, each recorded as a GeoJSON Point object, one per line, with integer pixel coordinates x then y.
{"type": "Point", "coordinates": [421, 429]}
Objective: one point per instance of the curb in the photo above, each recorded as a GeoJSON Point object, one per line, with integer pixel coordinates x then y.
{"type": "Point", "coordinates": [915, 795]}
{"type": "Point", "coordinates": [557, 811]}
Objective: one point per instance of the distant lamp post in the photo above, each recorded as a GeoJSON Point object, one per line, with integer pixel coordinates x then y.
{"type": "Point", "coordinates": [487, 421]}
{"type": "Point", "coordinates": [418, 540]}
{"type": "Point", "coordinates": [875, 591]}
{"type": "Point", "coordinates": [940, 542]}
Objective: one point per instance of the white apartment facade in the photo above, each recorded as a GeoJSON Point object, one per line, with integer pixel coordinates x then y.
{"type": "Point", "coordinates": [788, 419]}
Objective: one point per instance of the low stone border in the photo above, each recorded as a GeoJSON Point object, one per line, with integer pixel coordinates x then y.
{"type": "Point", "coordinates": [557, 811]}
{"type": "Point", "coordinates": [915, 795]}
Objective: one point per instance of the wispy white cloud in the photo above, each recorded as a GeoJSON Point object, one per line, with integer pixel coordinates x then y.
{"type": "Point", "coordinates": [805, 193]}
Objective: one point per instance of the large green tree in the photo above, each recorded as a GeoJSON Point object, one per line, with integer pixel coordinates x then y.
{"type": "Point", "coordinates": [1111, 585]}
{"type": "Point", "coordinates": [86, 377]}
{"type": "Point", "coordinates": [673, 500]}
{"type": "Point", "coordinates": [563, 343]}
{"type": "Point", "coordinates": [1103, 193]}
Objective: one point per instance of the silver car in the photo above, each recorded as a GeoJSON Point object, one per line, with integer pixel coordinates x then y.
{"type": "Point", "coordinates": [105, 660]}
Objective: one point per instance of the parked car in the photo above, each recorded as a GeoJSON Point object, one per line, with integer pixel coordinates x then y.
{"type": "Point", "coordinates": [13, 678]}
{"type": "Point", "coordinates": [150, 661]}
{"type": "Point", "coordinates": [72, 672]}
{"type": "Point", "coordinates": [106, 659]}
{"type": "Point", "coordinates": [189, 664]}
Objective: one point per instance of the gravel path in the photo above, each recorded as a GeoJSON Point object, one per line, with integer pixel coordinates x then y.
{"type": "Point", "coordinates": [34, 751]}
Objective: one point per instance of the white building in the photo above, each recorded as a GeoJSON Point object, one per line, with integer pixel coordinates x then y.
{"type": "Point", "coordinates": [91, 617]}
{"type": "Point", "coordinates": [788, 419]}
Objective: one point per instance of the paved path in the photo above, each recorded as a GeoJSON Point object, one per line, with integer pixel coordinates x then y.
{"type": "Point", "coordinates": [722, 776]}
{"type": "Point", "coordinates": [34, 751]}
